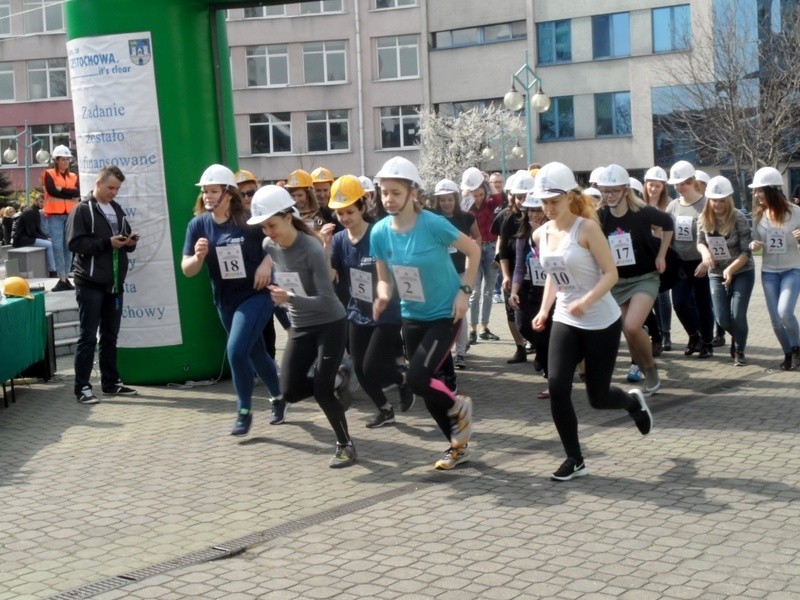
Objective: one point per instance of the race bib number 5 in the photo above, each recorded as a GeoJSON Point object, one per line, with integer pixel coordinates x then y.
{"type": "Point", "coordinates": [361, 285]}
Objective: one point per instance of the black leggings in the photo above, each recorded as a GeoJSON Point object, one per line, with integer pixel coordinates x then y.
{"type": "Point", "coordinates": [568, 345]}
{"type": "Point", "coordinates": [323, 347]}
{"type": "Point", "coordinates": [530, 299]}
{"type": "Point", "coordinates": [373, 350]}
{"type": "Point", "coordinates": [428, 344]}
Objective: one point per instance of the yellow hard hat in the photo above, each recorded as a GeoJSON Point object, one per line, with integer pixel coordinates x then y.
{"type": "Point", "coordinates": [321, 175]}
{"type": "Point", "coordinates": [245, 177]}
{"type": "Point", "coordinates": [345, 191]}
{"type": "Point", "coordinates": [298, 179]}
{"type": "Point", "coordinates": [17, 286]}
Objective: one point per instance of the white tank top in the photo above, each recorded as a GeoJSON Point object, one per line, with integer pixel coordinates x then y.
{"type": "Point", "coordinates": [574, 271]}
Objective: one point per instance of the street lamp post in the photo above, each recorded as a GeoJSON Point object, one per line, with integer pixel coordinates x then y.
{"type": "Point", "coordinates": [24, 141]}
{"type": "Point", "coordinates": [488, 152]}
{"type": "Point", "coordinates": [514, 100]}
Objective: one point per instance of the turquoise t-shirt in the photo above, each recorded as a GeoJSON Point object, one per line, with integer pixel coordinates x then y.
{"type": "Point", "coordinates": [424, 274]}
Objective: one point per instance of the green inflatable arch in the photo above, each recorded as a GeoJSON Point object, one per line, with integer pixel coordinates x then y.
{"type": "Point", "coordinates": [151, 92]}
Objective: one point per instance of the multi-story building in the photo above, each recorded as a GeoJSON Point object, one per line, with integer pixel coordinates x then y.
{"type": "Point", "coordinates": [339, 83]}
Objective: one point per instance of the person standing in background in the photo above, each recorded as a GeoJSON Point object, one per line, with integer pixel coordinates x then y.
{"type": "Point", "coordinates": [61, 195]}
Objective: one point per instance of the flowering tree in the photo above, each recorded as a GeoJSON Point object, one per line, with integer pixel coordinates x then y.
{"type": "Point", "coordinates": [448, 145]}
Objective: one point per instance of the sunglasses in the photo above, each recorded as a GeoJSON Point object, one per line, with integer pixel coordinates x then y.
{"type": "Point", "coordinates": [249, 193]}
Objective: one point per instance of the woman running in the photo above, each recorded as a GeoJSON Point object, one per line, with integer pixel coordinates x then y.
{"type": "Point", "coordinates": [219, 238]}
{"type": "Point", "coordinates": [587, 322]}
{"type": "Point", "coordinates": [411, 248]}
{"type": "Point", "coordinates": [777, 231]}
{"type": "Point", "coordinates": [303, 285]}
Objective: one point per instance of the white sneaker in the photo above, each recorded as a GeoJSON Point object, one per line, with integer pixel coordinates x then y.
{"type": "Point", "coordinates": [451, 458]}
{"type": "Point", "coordinates": [460, 422]}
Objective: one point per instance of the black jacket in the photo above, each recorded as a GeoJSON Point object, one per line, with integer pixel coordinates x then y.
{"type": "Point", "coordinates": [89, 238]}
{"type": "Point", "coordinates": [27, 228]}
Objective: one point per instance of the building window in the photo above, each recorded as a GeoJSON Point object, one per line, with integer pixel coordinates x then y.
{"type": "Point", "coordinates": [399, 126]}
{"type": "Point", "coordinates": [324, 62]}
{"type": "Point", "coordinates": [394, 3]}
{"type": "Point", "coordinates": [267, 65]}
{"type": "Point", "coordinates": [327, 130]}
{"type": "Point", "coordinates": [7, 140]}
{"type": "Point", "coordinates": [322, 6]}
{"type": "Point", "coordinates": [262, 12]}
{"type": "Point", "coordinates": [485, 34]}
{"type": "Point", "coordinates": [554, 42]}
{"type": "Point", "coordinates": [52, 136]}
{"type": "Point", "coordinates": [43, 15]}
{"type": "Point", "coordinates": [558, 122]}
{"type": "Point", "coordinates": [672, 28]}
{"type": "Point", "coordinates": [611, 35]}
{"type": "Point", "coordinates": [5, 17]}
{"type": "Point", "coordinates": [612, 114]}
{"type": "Point", "coordinates": [453, 109]}
{"type": "Point", "coordinates": [398, 57]}
{"type": "Point", "coordinates": [6, 81]}
{"type": "Point", "coordinates": [270, 133]}
{"type": "Point", "coordinates": [47, 78]}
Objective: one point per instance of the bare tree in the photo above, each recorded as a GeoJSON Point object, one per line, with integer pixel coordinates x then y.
{"type": "Point", "coordinates": [448, 145]}
{"type": "Point", "coordinates": [735, 97]}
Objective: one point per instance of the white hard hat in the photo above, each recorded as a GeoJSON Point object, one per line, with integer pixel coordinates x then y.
{"type": "Point", "coordinates": [532, 200]}
{"type": "Point", "coordinates": [613, 175]}
{"type": "Point", "coordinates": [593, 192]}
{"type": "Point", "coordinates": [217, 175]}
{"type": "Point", "coordinates": [472, 179]}
{"type": "Point", "coordinates": [398, 167]}
{"type": "Point", "coordinates": [366, 183]}
{"type": "Point", "coordinates": [61, 151]}
{"type": "Point", "coordinates": [655, 174]}
{"type": "Point", "coordinates": [680, 171]}
{"type": "Point", "coordinates": [702, 176]}
{"type": "Point", "coordinates": [446, 186]}
{"type": "Point", "coordinates": [523, 183]}
{"type": "Point", "coordinates": [268, 201]}
{"type": "Point", "coordinates": [510, 182]}
{"type": "Point", "coordinates": [719, 187]}
{"type": "Point", "coordinates": [553, 179]}
{"type": "Point", "coordinates": [767, 176]}
{"type": "Point", "coordinates": [595, 174]}
{"type": "Point", "coordinates": [636, 185]}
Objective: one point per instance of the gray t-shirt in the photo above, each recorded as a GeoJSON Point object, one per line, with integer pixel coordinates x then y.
{"type": "Point", "coordinates": [684, 238]}
{"type": "Point", "coordinates": [781, 250]}
{"type": "Point", "coordinates": [315, 302]}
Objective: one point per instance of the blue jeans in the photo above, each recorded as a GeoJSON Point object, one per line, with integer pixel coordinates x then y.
{"type": "Point", "coordinates": [48, 251]}
{"type": "Point", "coordinates": [55, 227]}
{"type": "Point", "coordinates": [481, 298]}
{"type": "Point", "coordinates": [97, 308]}
{"type": "Point", "coordinates": [781, 291]}
{"type": "Point", "coordinates": [247, 352]}
{"type": "Point", "coordinates": [663, 307]}
{"type": "Point", "coordinates": [730, 306]}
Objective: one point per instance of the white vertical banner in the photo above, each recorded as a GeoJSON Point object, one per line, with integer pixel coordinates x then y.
{"type": "Point", "coordinates": [117, 123]}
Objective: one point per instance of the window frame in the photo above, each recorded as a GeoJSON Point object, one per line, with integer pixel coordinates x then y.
{"type": "Point", "coordinates": [480, 38]}
{"type": "Point", "coordinates": [555, 60]}
{"type": "Point", "coordinates": [395, 4]}
{"type": "Point", "coordinates": [674, 41]}
{"type": "Point", "coordinates": [555, 105]}
{"type": "Point", "coordinates": [329, 121]}
{"type": "Point", "coordinates": [5, 18]}
{"type": "Point", "coordinates": [613, 53]}
{"type": "Point", "coordinates": [49, 72]}
{"type": "Point", "coordinates": [326, 56]}
{"type": "Point", "coordinates": [397, 49]}
{"type": "Point", "coordinates": [272, 124]}
{"type": "Point", "coordinates": [61, 135]}
{"type": "Point", "coordinates": [614, 133]}
{"type": "Point", "coordinates": [267, 58]}
{"type": "Point", "coordinates": [403, 120]}
{"type": "Point", "coordinates": [305, 8]}
{"type": "Point", "coordinates": [44, 8]}
{"type": "Point", "coordinates": [10, 73]}
{"type": "Point", "coordinates": [264, 14]}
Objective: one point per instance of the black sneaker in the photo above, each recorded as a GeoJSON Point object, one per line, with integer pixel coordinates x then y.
{"type": "Point", "coordinates": [666, 342]}
{"type": "Point", "coordinates": [119, 390]}
{"type": "Point", "coordinates": [570, 469]}
{"type": "Point", "coordinates": [86, 396]}
{"type": "Point", "coordinates": [695, 344]}
{"type": "Point", "coordinates": [460, 362]}
{"type": "Point", "coordinates": [786, 365]}
{"type": "Point", "coordinates": [406, 397]}
{"type": "Point", "coordinates": [706, 351]}
{"type": "Point", "coordinates": [381, 418]}
{"type": "Point", "coordinates": [62, 286]}
{"type": "Point", "coordinates": [488, 335]}
{"type": "Point", "coordinates": [243, 422]}
{"type": "Point", "coordinates": [739, 360]}
{"type": "Point", "coordinates": [718, 340]}
{"type": "Point", "coordinates": [642, 415]}
{"type": "Point", "coordinates": [473, 338]}
{"type": "Point", "coordinates": [278, 411]}
{"type": "Point", "coordinates": [520, 356]}
{"type": "Point", "coordinates": [795, 357]}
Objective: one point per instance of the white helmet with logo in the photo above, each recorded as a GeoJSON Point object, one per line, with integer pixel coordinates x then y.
{"type": "Point", "coordinates": [554, 179]}
{"type": "Point", "coordinates": [523, 183]}
{"type": "Point", "coordinates": [366, 183]}
{"type": "Point", "coordinates": [61, 152]}
{"type": "Point", "coordinates": [719, 187]}
{"type": "Point", "coordinates": [613, 175]}
{"type": "Point", "coordinates": [655, 174]}
{"type": "Point", "coordinates": [445, 187]}
{"type": "Point", "coordinates": [532, 200]}
{"type": "Point", "coordinates": [217, 175]}
{"type": "Point", "coordinates": [594, 176]}
{"type": "Point", "coordinates": [398, 167]}
{"type": "Point", "coordinates": [767, 176]}
{"type": "Point", "coordinates": [702, 176]}
{"type": "Point", "coordinates": [680, 172]}
{"type": "Point", "coordinates": [637, 186]}
{"type": "Point", "coordinates": [472, 179]}
{"type": "Point", "coordinates": [268, 201]}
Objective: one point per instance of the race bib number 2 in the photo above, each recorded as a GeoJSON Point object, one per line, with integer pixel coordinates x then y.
{"type": "Point", "coordinates": [409, 283]}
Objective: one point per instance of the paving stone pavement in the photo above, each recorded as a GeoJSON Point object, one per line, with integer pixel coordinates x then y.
{"type": "Point", "coordinates": [132, 497]}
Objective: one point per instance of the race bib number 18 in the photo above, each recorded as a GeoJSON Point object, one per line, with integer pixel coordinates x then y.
{"type": "Point", "coordinates": [231, 262]}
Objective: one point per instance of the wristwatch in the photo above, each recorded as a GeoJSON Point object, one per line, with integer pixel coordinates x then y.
{"type": "Point", "coordinates": [466, 289]}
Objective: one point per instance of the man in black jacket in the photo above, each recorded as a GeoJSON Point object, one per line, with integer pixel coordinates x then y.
{"type": "Point", "coordinates": [27, 231]}
{"type": "Point", "coordinates": [100, 237]}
